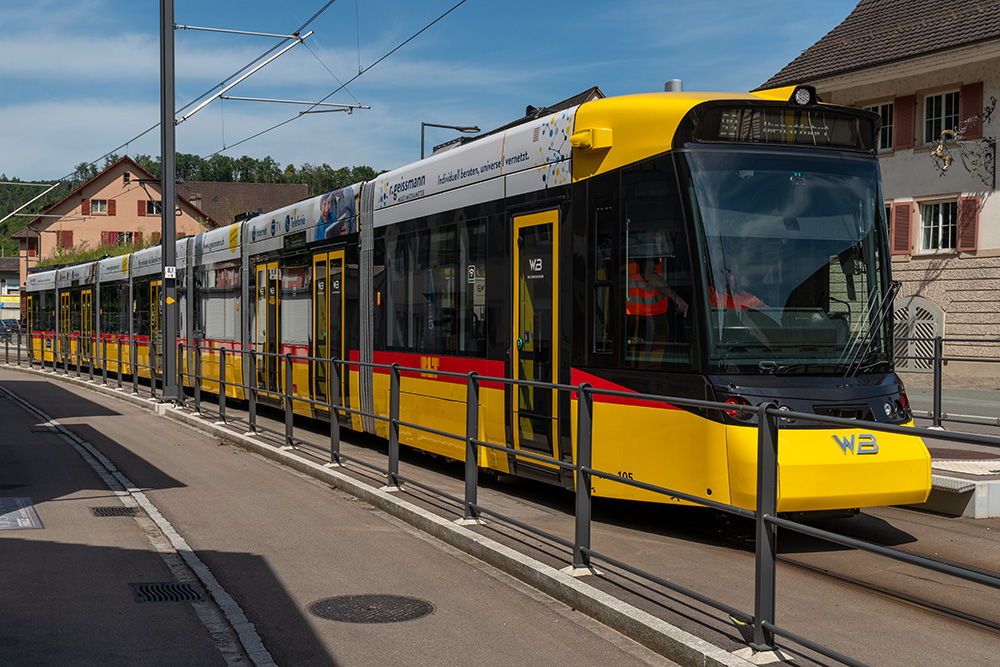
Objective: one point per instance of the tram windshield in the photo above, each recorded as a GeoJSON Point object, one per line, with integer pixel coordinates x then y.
{"type": "Point", "coordinates": [793, 262]}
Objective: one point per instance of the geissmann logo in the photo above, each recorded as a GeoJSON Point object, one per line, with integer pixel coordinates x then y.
{"type": "Point", "coordinates": [406, 185]}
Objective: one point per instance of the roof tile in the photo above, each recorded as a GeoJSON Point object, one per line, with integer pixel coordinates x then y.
{"type": "Point", "coordinates": [877, 32]}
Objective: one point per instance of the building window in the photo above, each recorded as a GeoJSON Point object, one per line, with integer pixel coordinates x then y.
{"type": "Point", "coordinates": [152, 207]}
{"type": "Point", "coordinates": [885, 112]}
{"type": "Point", "coordinates": [120, 238]}
{"type": "Point", "coordinates": [940, 114]}
{"type": "Point", "coordinates": [938, 226]}
{"type": "Point", "coordinates": [99, 206]}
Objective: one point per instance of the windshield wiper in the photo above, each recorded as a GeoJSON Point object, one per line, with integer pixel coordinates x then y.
{"type": "Point", "coordinates": [865, 343]}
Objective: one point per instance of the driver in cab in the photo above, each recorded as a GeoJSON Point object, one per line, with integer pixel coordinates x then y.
{"type": "Point", "coordinates": [727, 293]}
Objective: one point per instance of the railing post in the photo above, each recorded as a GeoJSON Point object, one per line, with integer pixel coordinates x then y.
{"type": "Point", "coordinates": [19, 350]}
{"type": "Point", "coordinates": [289, 414]}
{"type": "Point", "coordinates": [7, 348]}
{"type": "Point", "coordinates": [938, 363]}
{"type": "Point", "coordinates": [394, 426]}
{"type": "Point", "coordinates": [471, 448]}
{"type": "Point", "coordinates": [222, 385]}
{"type": "Point", "coordinates": [90, 357]}
{"type": "Point", "coordinates": [104, 361]}
{"type": "Point", "coordinates": [120, 360]}
{"type": "Point", "coordinates": [251, 389]}
{"type": "Point", "coordinates": [197, 378]}
{"type": "Point", "coordinates": [181, 358]}
{"type": "Point", "coordinates": [133, 363]}
{"type": "Point", "coordinates": [333, 373]}
{"type": "Point", "coordinates": [584, 459]}
{"type": "Point", "coordinates": [767, 507]}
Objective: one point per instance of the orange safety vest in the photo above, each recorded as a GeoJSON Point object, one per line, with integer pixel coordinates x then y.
{"type": "Point", "coordinates": [740, 299]}
{"type": "Point", "coordinates": [643, 300]}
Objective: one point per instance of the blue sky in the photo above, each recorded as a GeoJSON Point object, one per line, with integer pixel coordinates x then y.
{"type": "Point", "coordinates": [79, 79]}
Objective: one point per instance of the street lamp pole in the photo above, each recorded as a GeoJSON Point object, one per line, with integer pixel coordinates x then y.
{"type": "Point", "coordinates": [468, 129]}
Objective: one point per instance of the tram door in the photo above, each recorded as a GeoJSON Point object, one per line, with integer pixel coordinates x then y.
{"type": "Point", "coordinates": [155, 325]}
{"type": "Point", "coordinates": [87, 322]}
{"type": "Point", "coordinates": [535, 335]}
{"type": "Point", "coordinates": [64, 322]}
{"type": "Point", "coordinates": [328, 323]}
{"type": "Point", "coordinates": [266, 335]}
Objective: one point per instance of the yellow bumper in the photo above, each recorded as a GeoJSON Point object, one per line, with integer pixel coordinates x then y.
{"type": "Point", "coordinates": [825, 469]}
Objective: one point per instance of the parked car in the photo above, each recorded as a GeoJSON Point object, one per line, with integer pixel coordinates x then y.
{"type": "Point", "coordinates": [9, 329]}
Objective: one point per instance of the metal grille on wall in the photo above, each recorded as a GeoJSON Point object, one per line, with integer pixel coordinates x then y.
{"type": "Point", "coordinates": [917, 322]}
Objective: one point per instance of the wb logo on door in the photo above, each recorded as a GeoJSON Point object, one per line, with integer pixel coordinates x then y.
{"type": "Point", "coordinates": [536, 264]}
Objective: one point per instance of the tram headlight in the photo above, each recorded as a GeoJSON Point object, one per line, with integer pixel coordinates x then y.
{"type": "Point", "coordinates": [785, 408]}
{"type": "Point", "coordinates": [804, 95]}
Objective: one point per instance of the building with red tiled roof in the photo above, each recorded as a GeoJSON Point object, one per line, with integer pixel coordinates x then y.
{"type": "Point", "coordinates": [114, 209]}
{"type": "Point", "coordinates": [931, 70]}
{"type": "Point", "coordinates": [224, 202]}
{"type": "Point", "coordinates": [120, 205]}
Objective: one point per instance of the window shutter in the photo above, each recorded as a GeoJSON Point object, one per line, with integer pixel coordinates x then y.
{"type": "Point", "coordinates": [137, 237]}
{"type": "Point", "coordinates": [905, 112]}
{"type": "Point", "coordinates": [85, 207]}
{"type": "Point", "coordinates": [111, 207]}
{"type": "Point", "coordinates": [65, 238]}
{"type": "Point", "coordinates": [901, 214]}
{"type": "Point", "coordinates": [968, 223]}
{"type": "Point", "coordinates": [105, 238]}
{"type": "Point", "coordinates": [142, 207]}
{"type": "Point", "coordinates": [971, 105]}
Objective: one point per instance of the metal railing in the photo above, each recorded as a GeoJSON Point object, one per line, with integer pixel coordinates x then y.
{"type": "Point", "coordinates": [768, 419]}
{"type": "Point", "coordinates": [937, 360]}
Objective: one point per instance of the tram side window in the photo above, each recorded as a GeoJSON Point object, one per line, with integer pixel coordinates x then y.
{"type": "Point", "coordinates": [436, 293]}
{"type": "Point", "coordinates": [217, 302]}
{"type": "Point", "coordinates": [296, 295]}
{"type": "Point", "coordinates": [604, 306]}
{"type": "Point", "coordinates": [113, 308]}
{"type": "Point", "coordinates": [658, 274]}
{"type": "Point", "coordinates": [49, 312]}
{"type": "Point", "coordinates": [140, 308]}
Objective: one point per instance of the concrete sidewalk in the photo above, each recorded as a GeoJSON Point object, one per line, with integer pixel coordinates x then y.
{"type": "Point", "coordinates": [258, 543]}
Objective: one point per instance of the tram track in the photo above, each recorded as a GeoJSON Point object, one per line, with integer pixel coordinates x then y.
{"type": "Point", "coordinates": [833, 566]}
{"type": "Point", "coordinates": [921, 603]}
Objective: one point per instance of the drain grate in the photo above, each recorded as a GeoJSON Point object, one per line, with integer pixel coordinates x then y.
{"type": "Point", "coordinates": [114, 511]}
{"type": "Point", "coordinates": [165, 592]}
{"type": "Point", "coordinates": [45, 432]}
{"type": "Point", "coordinates": [371, 608]}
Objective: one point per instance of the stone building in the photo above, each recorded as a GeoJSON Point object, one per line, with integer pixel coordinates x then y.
{"type": "Point", "coordinates": [931, 70]}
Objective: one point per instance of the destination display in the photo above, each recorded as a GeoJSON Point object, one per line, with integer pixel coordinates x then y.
{"type": "Point", "coordinates": [811, 127]}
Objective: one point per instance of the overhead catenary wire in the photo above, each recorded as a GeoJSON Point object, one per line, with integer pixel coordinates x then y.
{"type": "Point", "coordinates": [349, 81]}
{"type": "Point", "coordinates": [253, 62]}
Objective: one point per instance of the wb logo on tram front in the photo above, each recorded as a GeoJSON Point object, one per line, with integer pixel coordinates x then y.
{"type": "Point", "coordinates": [536, 264]}
{"type": "Point", "coordinates": [864, 444]}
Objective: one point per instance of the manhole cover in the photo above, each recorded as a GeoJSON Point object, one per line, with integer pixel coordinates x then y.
{"type": "Point", "coordinates": [165, 592]}
{"type": "Point", "coordinates": [371, 608]}
{"type": "Point", "coordinates": [114, 511]}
